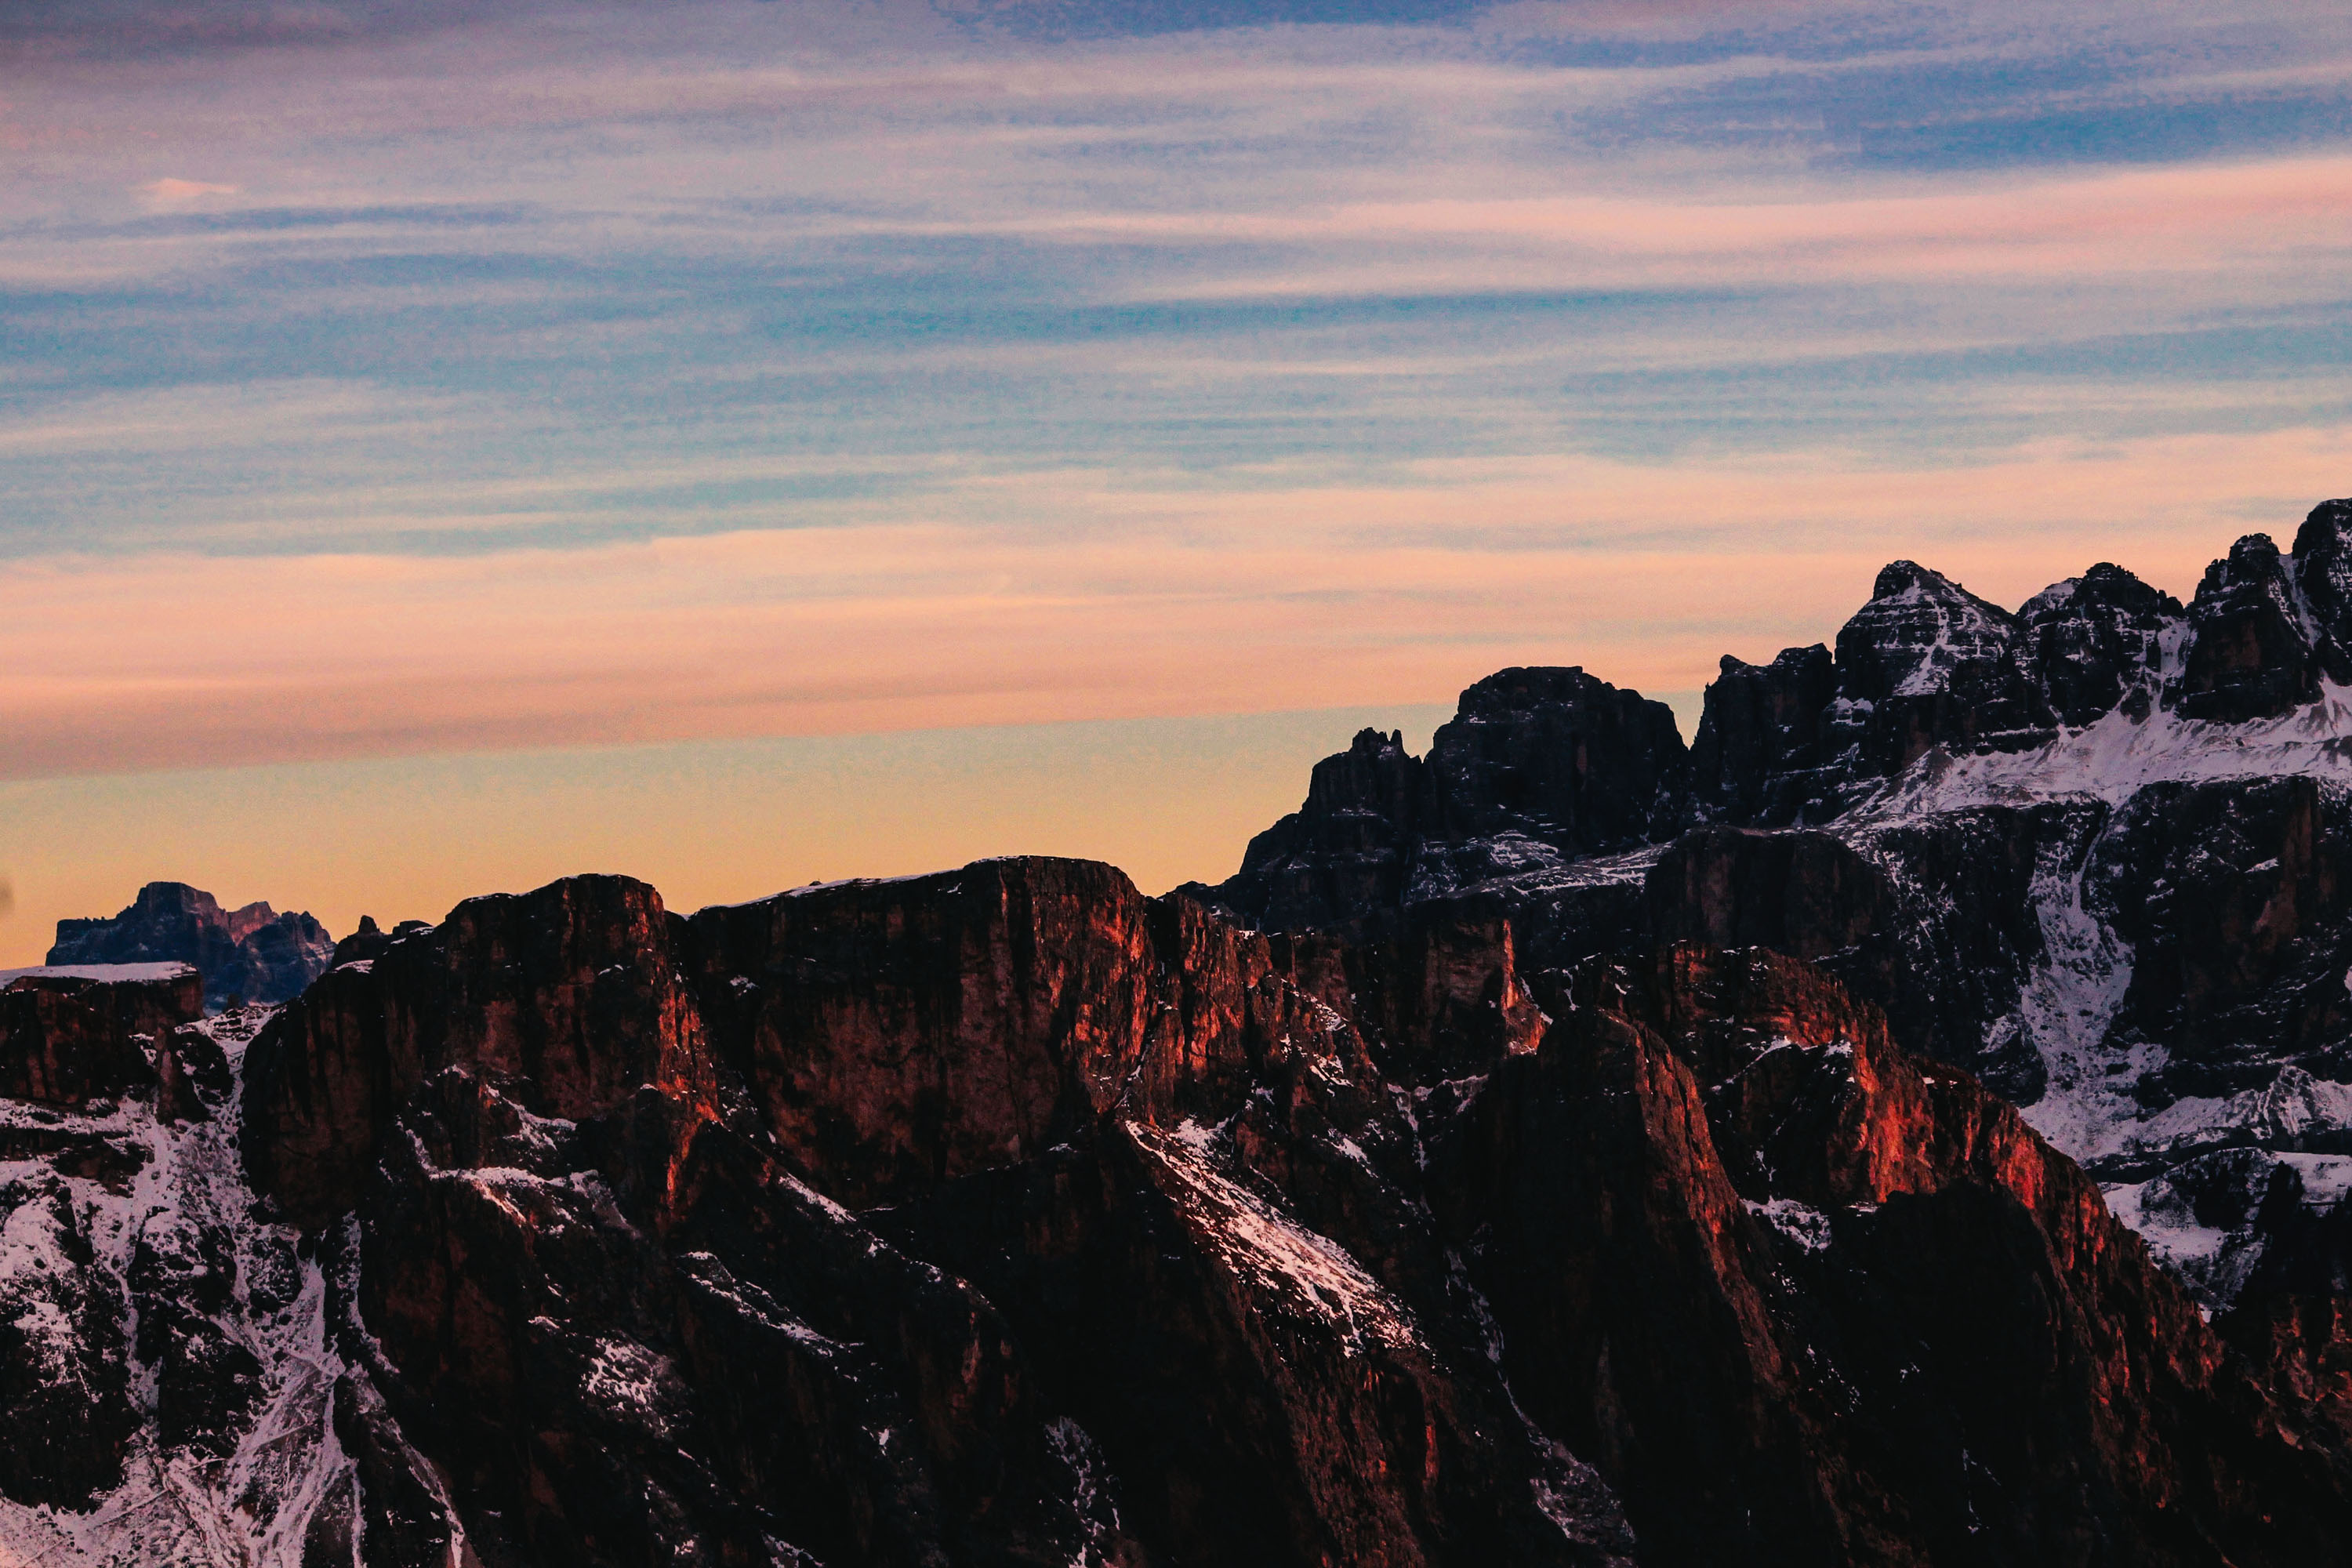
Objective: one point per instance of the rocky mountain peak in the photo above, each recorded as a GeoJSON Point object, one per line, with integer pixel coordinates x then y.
{"type": "Point", "coordinates": [2327, 530]}
{"type": "Point", "coordinates": [1541, 765]}
{"type": "Point", "coordinates": [2251, 554]}
{"type": "Point", "coordinates": [2250, 638]}
{"type": "Point", "coordinates": [2097, 643]}
{"type": "Point", "coordinates": [2105, 586]}
{"type": "Point", "coordinates": [559, 1003]}
{"type": "Point", "coordinates": [252, 953]}
{"type": "Point", "coordinates": [2323, 555]}
{"type": "Point", "coordinates": [1375, 774]}
{"type": "Point", "coordinates": [1920, 633]}
{"type": "Point", "coordinates": [2323, 558]}
{"type": "Point", "coordinates": [2264, 629]}
{"type": "Point", "coordinates": [1908, 581]}
{"type": "Point", "coordinates": [1925, 663]}
{"type": "Point", "coordinates": [1561, 757]}
{"type": "Point", "coordinates": [1761, 741]}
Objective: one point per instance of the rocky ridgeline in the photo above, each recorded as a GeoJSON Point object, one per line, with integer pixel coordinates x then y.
{"type": "Point", "coordinates": [2098, 851]}
{"type": "Point", "coordinates": [249, 955]}
{"type": "Point", "coordinates": [1008, 1217]}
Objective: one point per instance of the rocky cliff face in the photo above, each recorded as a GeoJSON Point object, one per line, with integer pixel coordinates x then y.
{"type": "Point", "coordinates": [249, 955]}
{"type": "Point", "coordinates": [872, 1225]}
{"type": "Point", "coordinates": [1913, 1330]}
{"type": "Point", "coordinates": [1009, 1216]}
{"type": "Point", "coordinates": [1541, 768]}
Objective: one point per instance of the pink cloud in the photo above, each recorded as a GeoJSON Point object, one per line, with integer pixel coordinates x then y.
{"type": "Point", "coordinates": [1116, 602]}
{"type": "Point", "coordinates": [178, 194]}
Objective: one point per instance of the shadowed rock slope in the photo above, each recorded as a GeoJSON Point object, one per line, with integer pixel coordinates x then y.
{"type": "Point", "coordinates": [1008, 1217]}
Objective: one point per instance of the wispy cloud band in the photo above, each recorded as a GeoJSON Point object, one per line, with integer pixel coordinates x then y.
{"type": "Point", "coordinates": [424, 376]}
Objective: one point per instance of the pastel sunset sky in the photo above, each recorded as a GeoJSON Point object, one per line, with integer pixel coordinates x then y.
{"type": "Point", "coordinates": [449, 444]}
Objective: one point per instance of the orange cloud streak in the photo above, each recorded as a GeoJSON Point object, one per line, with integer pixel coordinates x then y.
{"type": "Point", "coordinates": [1112, 603]}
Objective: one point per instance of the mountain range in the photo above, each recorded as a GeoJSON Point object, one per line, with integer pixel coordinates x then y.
{"type": "Point", "coordinates": [1907, 1124]}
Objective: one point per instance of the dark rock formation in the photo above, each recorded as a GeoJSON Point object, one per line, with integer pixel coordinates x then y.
{"type": "Point", "coordinates": [1347, 852]}
{"type": "Point", "coordinates": [67, 1039]}
{"type": "Point", "coordinates": [2263, 630]}
{"type": "Point", "coordinates": [84, 1263]}
{"type": "Point", "coordinates": [574, 993]}
{"type": "Point", "coordinates": [2250, 656]}
{"type": "Point", "coordinates": [1761, 742]}
{"type": "Point", "coordinates": [1562, 758]}
{"type": "Point", "coordinates": [1538, 767]}
{"type": "Point", "coordinates": [65, 1370]}
{"type": "Point", "coordinates": [1924, 665]}
{"type": "Point", "coordinates": [2303, 1344]}
{"type": "Point", "coordinates": [1927, 663]}
{"type": "Point", "coordinates": [2323, 557]}
{"type": "Point", "coordinates": [2094, 644]}
{"type": "Point", "coordinates": [2237, 900]}
{"type": "Point", "coordinates": [1806, 1299]}
{"type": "Point", "coordinates": [153, 1333]}
{"type": "Point", "coordinates": [249, 955]}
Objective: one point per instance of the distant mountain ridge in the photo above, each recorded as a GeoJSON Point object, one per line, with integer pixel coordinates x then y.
{"type": "Point", "coordinates": [249, 954]}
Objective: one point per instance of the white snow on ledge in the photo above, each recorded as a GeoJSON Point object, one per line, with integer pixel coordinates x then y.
{"type": "Point", "coordinates": [2117, 756]}
{"type": "Point", "coordinates": [2293, 1105]}
{"type": "Point", "coordinates": [97, 972]}
{"type": "Point", "coordinates": [1270, 1250]}
{"type": "Point", "coordinates": [2201, 1252]}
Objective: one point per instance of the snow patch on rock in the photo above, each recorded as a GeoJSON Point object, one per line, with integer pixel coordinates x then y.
{"type": "Point", "coordinates": [285, 1487]}
{"type": "Point", "coordinates": [1806, 1225]}
{"type": "Point", "coordinates": [1281, 1258]}
{"type": "Point", "coordinates": [2117, 756]}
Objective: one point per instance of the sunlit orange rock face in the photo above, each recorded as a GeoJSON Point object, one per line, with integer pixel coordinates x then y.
{"type": "Point", "coordinates": [564, 1004]}
{"type": "Point", "coordinates": [1946, 1346]}
{"type": "Point", "coordinates": [900, 1042]}
{"type": "Point", "coordinates": [1007, 1215]}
